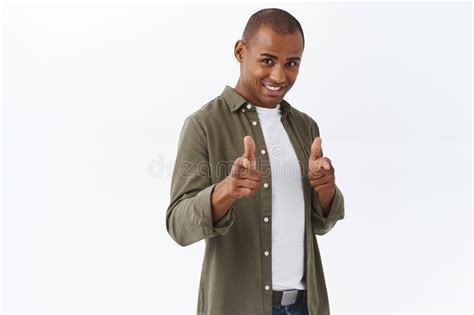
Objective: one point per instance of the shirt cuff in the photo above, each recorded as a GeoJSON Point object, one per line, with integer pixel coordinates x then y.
{"type": "Point", "coordinates": [220, 227]}
{"type": "Point", "coordinates": [336, 212]}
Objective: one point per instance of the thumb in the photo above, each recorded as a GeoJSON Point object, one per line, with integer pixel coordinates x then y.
{"type": "Point", "coordinates": [315, 149]}
{"type": "Point", "coordinates": [249, 146]}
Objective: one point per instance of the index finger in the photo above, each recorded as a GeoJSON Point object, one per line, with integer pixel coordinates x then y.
{"type": "Point", "coordinates": [315, 149]}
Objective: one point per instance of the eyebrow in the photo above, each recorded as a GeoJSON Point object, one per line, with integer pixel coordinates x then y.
{"type": "Point", "coordinates": [275, 57]}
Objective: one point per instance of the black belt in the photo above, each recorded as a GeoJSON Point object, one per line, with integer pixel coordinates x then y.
{"type": "Point", "coordinates": [288, 297]}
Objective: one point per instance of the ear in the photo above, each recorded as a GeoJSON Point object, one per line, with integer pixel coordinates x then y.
{"type": "Point", "coordinates": [238, 50]}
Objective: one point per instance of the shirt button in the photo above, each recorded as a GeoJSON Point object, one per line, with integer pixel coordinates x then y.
{"type": "Point", "coordinates": [265, 185]}
{"type": "Point", "coordinates": [267, 287]}
{"type": "Point", "coordinates": [254, 123]}
{"type": "Point", "coordinates": [266, 219]}
{"type": "Point", "coordinates": [263, 151]}
{"type": "Point", "coordinates": [243, 110]}
{"type": "Point", "coordinates": [266, 253]}
{"type": "Point", "coordinates": [249, 106]}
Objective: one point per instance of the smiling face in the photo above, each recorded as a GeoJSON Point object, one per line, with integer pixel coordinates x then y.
{"type": "Point", "coordinates": [269, 66]}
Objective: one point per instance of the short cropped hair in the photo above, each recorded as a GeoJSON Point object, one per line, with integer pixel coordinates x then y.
{"type": "Point", "coordinates": [279, 20]}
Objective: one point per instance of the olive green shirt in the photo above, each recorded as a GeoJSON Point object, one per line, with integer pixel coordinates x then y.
{"type": "Point", "coordinates": [236, 276]}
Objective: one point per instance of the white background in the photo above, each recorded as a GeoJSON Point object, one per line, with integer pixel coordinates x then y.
{"type": "Point", "coordinates": [94, 97]}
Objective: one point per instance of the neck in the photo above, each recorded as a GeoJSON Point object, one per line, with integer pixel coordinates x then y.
{"type": "Point", "coordinates": [240, 88]}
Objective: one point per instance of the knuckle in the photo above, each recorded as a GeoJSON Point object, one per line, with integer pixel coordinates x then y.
{"type": "Point", "coordinates": [237, 161]}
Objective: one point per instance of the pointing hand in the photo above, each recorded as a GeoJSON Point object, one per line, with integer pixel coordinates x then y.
{"type": "Point", "coordinates": [242, 181]}
{"type": "Point", "coordinates": [321, 172]}
{"type": "Point", "coordinates": [244, 177]}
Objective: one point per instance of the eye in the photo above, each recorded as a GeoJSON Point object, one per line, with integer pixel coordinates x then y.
{"type": "Point", "coordinates": [292, 64]}
{"type": "Point", "coordinates": [267, 61]}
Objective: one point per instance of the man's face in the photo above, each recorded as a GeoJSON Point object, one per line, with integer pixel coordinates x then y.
{"type": "Point", "coordinates": [269, 66]}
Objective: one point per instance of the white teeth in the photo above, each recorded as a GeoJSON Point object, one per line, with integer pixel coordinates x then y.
{"type": "Point", "coordinates": [273, 88]}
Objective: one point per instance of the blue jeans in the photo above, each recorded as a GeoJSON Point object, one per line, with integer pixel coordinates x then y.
{"type": "Point", "coordinates": [294, 309]}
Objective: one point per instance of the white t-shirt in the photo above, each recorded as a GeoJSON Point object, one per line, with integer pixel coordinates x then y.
{"type": "Point", "coordinates": [287, 203]}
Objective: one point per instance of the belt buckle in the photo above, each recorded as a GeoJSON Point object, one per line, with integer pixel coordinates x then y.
{"type": "Point", "coordinates": [289, 297]}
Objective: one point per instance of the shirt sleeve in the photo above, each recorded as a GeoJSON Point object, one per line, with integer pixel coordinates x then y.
{"type": "Point", "coordinates": [189, 214]}
{"type": "Point", "coordinates": [323, 224]}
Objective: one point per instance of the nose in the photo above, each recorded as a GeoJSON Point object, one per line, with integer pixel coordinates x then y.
{"type": "Point", "coordinates": [277, 75]}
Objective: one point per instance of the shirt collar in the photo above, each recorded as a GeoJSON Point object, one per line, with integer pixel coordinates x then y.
{"type": "Point", "coordinates": [234, 100]}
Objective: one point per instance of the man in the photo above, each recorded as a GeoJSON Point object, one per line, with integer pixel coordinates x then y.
{"type": "Point", "coordinates": [259, 214]}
